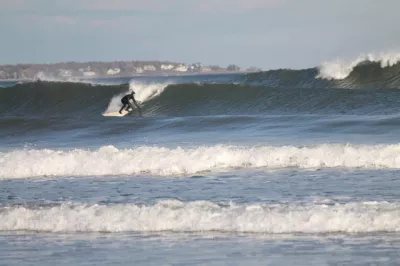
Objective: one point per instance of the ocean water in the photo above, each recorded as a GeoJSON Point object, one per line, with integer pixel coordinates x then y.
{"type": "Point", "coordinates": [284, 167]}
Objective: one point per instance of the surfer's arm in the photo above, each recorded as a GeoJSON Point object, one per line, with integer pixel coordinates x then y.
{"type": "Point", "coordinates": [134, 101]}
{"type": "Point", "coordinates": [137, 105]}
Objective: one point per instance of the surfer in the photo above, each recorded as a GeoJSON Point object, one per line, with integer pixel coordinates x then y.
{"type": "Point", "coordinates": [127, 104]}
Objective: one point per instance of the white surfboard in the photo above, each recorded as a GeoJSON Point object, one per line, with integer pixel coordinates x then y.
{"type": "Point", "coordinates": [124, 113]}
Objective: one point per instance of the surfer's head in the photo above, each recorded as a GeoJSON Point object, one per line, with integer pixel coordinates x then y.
{"type": "Point", "coordinates": [132, 92]}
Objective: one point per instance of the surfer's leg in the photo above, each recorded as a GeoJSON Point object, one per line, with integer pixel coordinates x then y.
{"type": "Point", "coordinates": [129, 105]}
{"type": "Point", "coordinates": [122, 108]}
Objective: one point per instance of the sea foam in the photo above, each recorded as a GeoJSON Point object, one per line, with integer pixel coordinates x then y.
{"type": "Point", "coordinates": [204, 216]}
{"type": "Point", "coordinates": [180, 161]}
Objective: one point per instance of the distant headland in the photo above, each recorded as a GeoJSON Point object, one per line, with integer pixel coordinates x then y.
{"type": "Point", "coordinates": [111, 69]}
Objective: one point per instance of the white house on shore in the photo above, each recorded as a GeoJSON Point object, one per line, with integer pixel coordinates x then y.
{"type": "Point", "coordinates": [167, 67]}
{"type": "Point", "coordinates": [113, 71]}
{"type": "Point", "coordinates": [181, 68]}
{"type": "Point", "coordinates": [138, 70]}
{"type": "Point", "coordinates": [149, 68]}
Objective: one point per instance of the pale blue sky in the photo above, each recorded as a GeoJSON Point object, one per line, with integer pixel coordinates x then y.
{"type": "Point", "coordinates": [263, 33]}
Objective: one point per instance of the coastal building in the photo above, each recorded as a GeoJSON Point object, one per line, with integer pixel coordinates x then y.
{"type": "Point", "coordinates": [85, 69]}
{"type": "Point", "coordinates": [137, 70]}
{"type": "Point", "coordinates": [149, 68]}
{"type": "Point", "coordinates": [64, 73]}
{"type": "Point", "coordinates": [113, 71]}
{"type": "Point", "coordinates": [89, 74]}
{"type": "Point", "coordinates": [167, 67]}
{"type": "Point", "coordinates": [196, 67]}
{"type": "Point", "coordinates": [181, 68]}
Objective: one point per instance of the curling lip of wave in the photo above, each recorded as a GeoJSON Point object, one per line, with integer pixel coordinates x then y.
{"type": "Point", "coordinates": [371, 71]}
{"type": "Point", "coordinates": [341, 69]}
{"type": "Point", "coordinates": [204, 216]}
{"type": "Point", "coordinates": [160, 161]}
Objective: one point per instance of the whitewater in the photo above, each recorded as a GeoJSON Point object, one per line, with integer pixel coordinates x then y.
{"type": "Point", "coordinates": [204, 216]}
{"type": "Point", "coordinates": [275, 167]}
{"type": "Point", "coordinates": [160, 161]}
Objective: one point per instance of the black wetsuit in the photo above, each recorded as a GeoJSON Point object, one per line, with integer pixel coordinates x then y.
{"type": "Point", "coordinates": [127, 104]}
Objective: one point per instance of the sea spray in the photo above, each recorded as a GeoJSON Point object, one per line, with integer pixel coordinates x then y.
{"type": "Point", "coordinates": [340, 69]}
{"type": "Point", "coordinates": [143, 93]}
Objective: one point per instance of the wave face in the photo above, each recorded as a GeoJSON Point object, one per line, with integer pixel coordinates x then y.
{"type": "Point", "coordinates": [76, 100]}
{"type": "Point", "coordinates": [161, 161]}
{"type": "Point", "coordinates": [322, 90]}
{"type": "Point", "coordinates": [54, 99]}
{"type": "Point", "coordinates": [204, 216]}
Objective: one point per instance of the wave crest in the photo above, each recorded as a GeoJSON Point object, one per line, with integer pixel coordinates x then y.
{"type": "Point", "coordinates": [204, 216]}
{"type": "Point", "coordinates": [161, 161]}
{"type": "Point", "coordinates": [341, 69]}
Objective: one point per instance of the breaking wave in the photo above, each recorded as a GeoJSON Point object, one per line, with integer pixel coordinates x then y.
{"type": "Point", "coordinates": [204, 216]}
{"type": "Point", "coordinates": [341, 69]}
{"type": "Point", "coordinates": [161, 161]}
{"type": "Point", "coordinates": [143, 93]}
{"type": "Point", "coordinates": [316, 90]}
{"type": "Point", "coordinates": [54, 99]}
{"type": "Point", "coordinates": [370, 71]}
{"type": "Point", "coordinates": [76, 100]}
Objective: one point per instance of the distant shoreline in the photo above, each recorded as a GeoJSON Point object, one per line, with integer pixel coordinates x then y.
{"type": "Point", "coordinates": [117, 69]}
{"type": "Point", "coordinates": [159, 74]}
{"type": "Point", "coordinates": [167, 74]}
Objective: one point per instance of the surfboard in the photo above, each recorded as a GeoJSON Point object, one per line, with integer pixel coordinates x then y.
{"type": "Point", "coordinates": [124, 113]}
